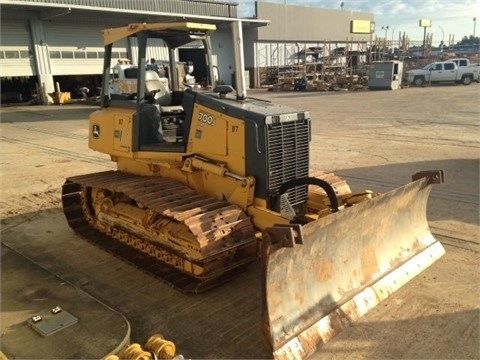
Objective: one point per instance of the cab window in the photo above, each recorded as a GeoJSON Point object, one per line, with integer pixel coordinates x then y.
{"type": "Point", "coordinates": [449, 66]}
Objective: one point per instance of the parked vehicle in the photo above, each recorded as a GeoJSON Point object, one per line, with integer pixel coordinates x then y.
{"type": "Point", "coordinates": [234, 186]}
{"type": "Point", "coordinates": [465, 63]}
{"type": "Point", "coordinates": [444, 71]}
{"type": "Point", "coordinates": [461, 62]}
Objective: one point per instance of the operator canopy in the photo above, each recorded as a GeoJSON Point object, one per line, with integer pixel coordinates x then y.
{"type": "Point", "coordinates": [174, 34]}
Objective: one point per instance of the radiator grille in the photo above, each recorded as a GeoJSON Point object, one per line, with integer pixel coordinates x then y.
{"type": "Point", "coordinates": [288, 157]}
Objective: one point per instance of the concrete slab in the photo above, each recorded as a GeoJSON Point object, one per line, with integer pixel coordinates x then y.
{"type": "Point", "coordinates": [84, 328]}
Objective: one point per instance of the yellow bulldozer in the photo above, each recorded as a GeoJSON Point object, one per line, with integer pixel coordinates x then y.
{"type": "Point", "coordinates": [208, 181]}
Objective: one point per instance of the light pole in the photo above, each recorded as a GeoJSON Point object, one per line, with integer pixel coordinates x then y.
{"type": "Point", "coordinates": [474, 26]}
{"type": "Point", "coordinates": [393, 34]}
{"type": "Point", "coordinates": [385, 27]}
{"type": "Point", "coordinates": [443, 39]}
{"type": "Point", "coordinates": [424, 23]}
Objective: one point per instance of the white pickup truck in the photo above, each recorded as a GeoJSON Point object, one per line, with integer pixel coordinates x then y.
{"type": "Point", "coordinates": [457, 70]}
{"type": "Point", "coordinates": [464, 63]}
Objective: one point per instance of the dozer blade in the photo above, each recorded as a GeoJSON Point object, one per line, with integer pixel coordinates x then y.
{"type": "Point", "coordinates": [322, 276]}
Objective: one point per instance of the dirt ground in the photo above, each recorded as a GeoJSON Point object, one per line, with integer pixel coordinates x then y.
{"type": "Point", "coordinates": [375, 140]}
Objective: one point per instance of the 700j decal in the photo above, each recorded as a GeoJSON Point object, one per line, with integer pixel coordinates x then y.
{"type": "Point", "coordinates": [206, 119]}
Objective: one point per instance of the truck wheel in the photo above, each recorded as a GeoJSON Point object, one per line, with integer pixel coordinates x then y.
{"type": "Point", "coordinates": [419, 81]}
{"type": "Point", "coordinates": [466, 80]}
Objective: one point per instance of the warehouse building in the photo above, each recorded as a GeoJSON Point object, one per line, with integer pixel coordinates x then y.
{"type": "Point", "coordinates": [44, 42]}
{"type": "Point", "coordinates": [299, 35]}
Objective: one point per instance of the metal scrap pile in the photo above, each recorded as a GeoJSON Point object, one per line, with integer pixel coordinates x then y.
{"type": "Point", "coordinates": [327, 81]}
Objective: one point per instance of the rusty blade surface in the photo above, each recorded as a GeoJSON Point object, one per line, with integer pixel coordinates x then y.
{"type": "Point", "coordinates": [348, 262]}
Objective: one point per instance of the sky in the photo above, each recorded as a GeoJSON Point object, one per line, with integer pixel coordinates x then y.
{"type": "Point", "coordinates": [448, 17]}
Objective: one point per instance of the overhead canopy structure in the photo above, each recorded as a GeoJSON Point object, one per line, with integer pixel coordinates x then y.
{"type": "Point", "coordinates": [37, 36]}
{"type": "Point", "coordinates": [174, 34]}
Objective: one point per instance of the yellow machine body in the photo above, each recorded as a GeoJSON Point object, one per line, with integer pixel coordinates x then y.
{"type": "Point", "coordinates": [221, 140]}
{"type": "Point", "coordinates": [207, 182]}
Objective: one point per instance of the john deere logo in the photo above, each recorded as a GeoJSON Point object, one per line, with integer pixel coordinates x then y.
{"type": "Point", "coordinates": [96, 131]}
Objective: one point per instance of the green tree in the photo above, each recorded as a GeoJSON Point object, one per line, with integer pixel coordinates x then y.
{"type": "Point", "coordinates": [470, 40]}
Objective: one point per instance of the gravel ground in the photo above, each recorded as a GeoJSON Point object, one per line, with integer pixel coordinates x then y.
{"type": "Point", "coordinates": [374, 140]}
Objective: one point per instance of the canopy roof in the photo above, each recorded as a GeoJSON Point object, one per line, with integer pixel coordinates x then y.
{"type": "Point", "coordinates": [175, 34]}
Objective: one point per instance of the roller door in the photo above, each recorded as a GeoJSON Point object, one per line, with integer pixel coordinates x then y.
{"type": "Point", "coordinates": [16, 55]}
{"type": "Point", "coordinates": [77, 49]}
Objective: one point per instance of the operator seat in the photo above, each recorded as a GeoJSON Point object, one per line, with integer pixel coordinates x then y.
{"type": "Point", "coordinates": [162, 94]}
{"type": "Point", "coordinates": [151, 131]}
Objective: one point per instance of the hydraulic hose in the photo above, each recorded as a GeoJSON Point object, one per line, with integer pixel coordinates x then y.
{"type": "Point", "coordinates": [332, 196]}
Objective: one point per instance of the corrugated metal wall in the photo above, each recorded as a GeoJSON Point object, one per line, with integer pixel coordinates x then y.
{"type": "Point", "coordinates": [222, 49]}
{"type": "Point", "coordinates": [203, 8]}
{"type": "Point", "coordinates": [72, 42]}
{"type": "Point", "coordinates": [156, 49]}
{"type": "Point", "coordinates": [299, 23]}
{"type": "Point", "coordinates": [16, 55]}
{"type": "Point", "coordinates": [76, 49]}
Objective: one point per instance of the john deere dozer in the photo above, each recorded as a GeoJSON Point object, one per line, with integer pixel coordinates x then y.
{"type": "Point", "coordinates": [209, 181]}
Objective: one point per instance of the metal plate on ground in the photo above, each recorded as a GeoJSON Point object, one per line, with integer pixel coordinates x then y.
{"type": "Point", "coordinates": [52, 321]}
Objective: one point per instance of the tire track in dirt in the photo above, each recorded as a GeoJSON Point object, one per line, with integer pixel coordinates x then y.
{"type": "Point", "coordinates": [72, 155]}
{"type": "Point", "coordinates": [472, 198]}
{"type": "Point", "coordinates": [389, 137]}
{"type": "Point", "coordinates": [50, 198]}
{"type": "Point", "coordinates": [58, 133]}
{"type": "Point", "coordinates": [27, 206]}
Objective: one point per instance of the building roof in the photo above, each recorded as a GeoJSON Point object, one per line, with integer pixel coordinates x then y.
{"type": "Point", "coordinates": [144, 10]}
